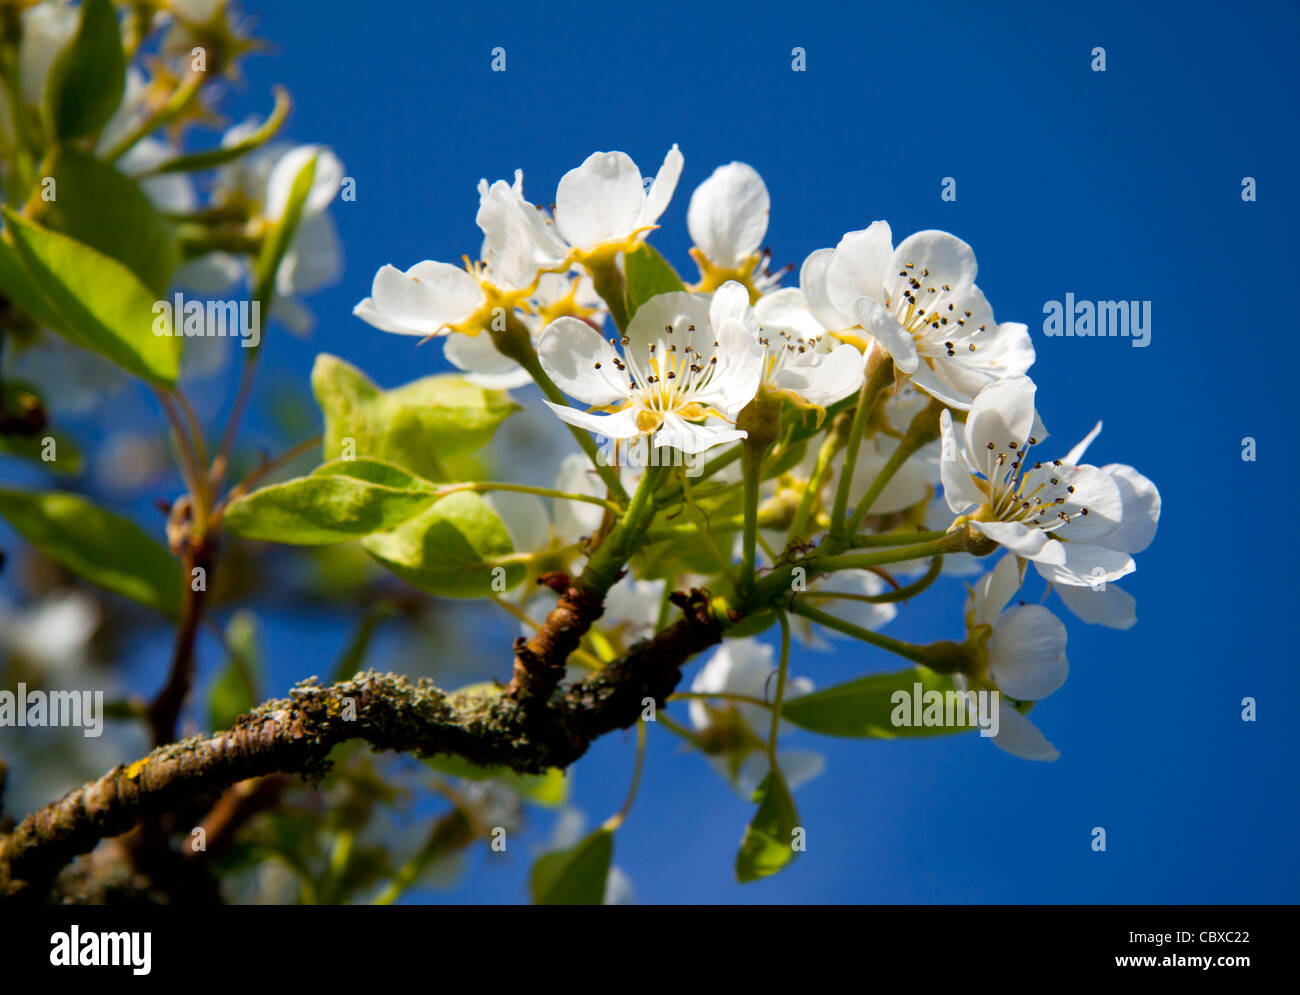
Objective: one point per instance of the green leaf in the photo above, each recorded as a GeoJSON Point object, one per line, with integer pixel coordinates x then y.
{"type": "Point", "coordinates": [331, 506]}
{"type": "Point", "coordinates": [549, 790]}
{"type": "Point", "coordinates": [422, 426]}
{"type": "Point", "coordinates": [17, 285]}
{"type": "Point", "coordinates": [648, 274]}
{"type": "Point", "coordinates": [213, 158]}
{"type": "Point", "coordinates": [452, 550]}
{"type": "Point", "coordinates": [86, 81]}
{"type": "Point", "coordinates": [576, 876]}
{"type": "Point", "coordinates": [767, 846]}
{"type": "Point", "coordinates": [100, 303]}
{"type": "Point", "coordinates": [864, 707]}
{"type": "Point", "coordinates": [98, 206]}
{"type": "Point", "coordinates": [235, 691]}
{"type": "Point", "coordinates": [98, 545]}
{"type": "Point", "coordinates": [375, 472]}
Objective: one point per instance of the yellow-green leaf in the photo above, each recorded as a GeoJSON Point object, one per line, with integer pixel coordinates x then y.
{"type": "Point", "coordinates": [768, 845]}
{"type": "Point", "coordinates": [421, 426]}
{"type": "Point", "coordinates": [330, 506]}
{"type": "Point", "coordinates": [575, 876]}
{"type": "Point", "coordinates": [100, 207]}
{"type": "Point", "coordinates": [100, 303]}
{"type": "Point", "coordinates": [865, 707]}
{"type": "Point", "coordinates": [453, 550]}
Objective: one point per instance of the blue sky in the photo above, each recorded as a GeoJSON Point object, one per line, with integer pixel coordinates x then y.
{"type": "Point", "coordinates": [1123, 184]}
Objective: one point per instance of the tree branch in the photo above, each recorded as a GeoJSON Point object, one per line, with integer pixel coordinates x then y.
{"type": "Point", "coordinates": [296, 734]}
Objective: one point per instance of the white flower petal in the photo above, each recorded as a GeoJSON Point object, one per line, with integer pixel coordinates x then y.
{"type": "Point", "coordinates": [575, 519]}
{"type": "Point", "coordinates": [525, 518]}
{"type": "Point", "coordinates": [620, 425]}
{"type": "Point", "coordinates": [727, 217]}
{"type": "Point", "coordinates": [1110, 606]}
{"type": "Point", "coordinates": [1027, 652]}
{"type": "Point", "coordinates": [813, 284]}
{"type": "Point", "coordinates": [959, 489]}
{"type": "Point", "coordinates": [600, 200]}
{"type": "Point", "coordinates": [882, 325]}
{"type": "Point", "coordinates": [581, 363]}
{"type": "Point", "coordinates": [860, 266]}
{"type": "Point", "coordinates": [798, 767]}
{"type": "Point", "coordinates": [1085, 565]}
{"type": "Point", "coordinates": [1002, 414]}
{"type": "Point", "coordinates": [662, 188]}
{"type": "Point", "coordinates": [1141, 515]}
{"type": "Point", "coordinates": [422, 301]}
{"type": "Point", "coordinates": [948, 259]}
{"type": "Point", "coordinates": [787, 309]}
{"type": "Point", "coordinates": [1076, 454]}
{"type": "Point", "coordinates": [1032, 544]}
{"type": "Point", "coordinates": [483, 364]}
{"type": "Point", "coordinates": [678, 433]}
{"type": "Point", "coordinates": [995, 589]}
{"type": "Point", "coordinates": [823, 378]}
{"type": "Point", "coordinates": [1020, 737]}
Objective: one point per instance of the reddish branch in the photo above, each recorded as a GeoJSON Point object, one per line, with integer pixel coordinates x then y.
{"type": "Point", "coordinates": [527, 732]}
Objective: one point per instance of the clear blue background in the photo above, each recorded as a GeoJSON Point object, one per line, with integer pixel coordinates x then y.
{"type": "Point", "coordinates": [1122, 184]}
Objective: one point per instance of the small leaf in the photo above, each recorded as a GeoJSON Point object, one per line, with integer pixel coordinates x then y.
{"type": "Point", "coordinates": [422, 426]}
{"type": "Point", "coordinates": [767, 846]}
{"type": "Point", "coordinates": [452, 550]}
{"type": "Point", "coordinates": [549, 790]}
{"type": "Point", "coordinates": [575, 876]}
{"type": "Point", "coordinates": [328, 507]}
{"type": "Point", "coordinates": [105, 210]}
{"type": "Point", "coordinates": [235, 691]}
{"type": "Point", "coordinates": [101, 305]}
{"type": "Point", "coordinates": [98, 545]}
{"type": "Point", "coordinates": [865, 707]}
{"type": "Point", "coordinates": [86, 81]}
{"type": "Point", "coordinates": [648, 274]}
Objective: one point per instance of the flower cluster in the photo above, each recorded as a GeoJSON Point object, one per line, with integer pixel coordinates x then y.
{"type": "Point", "coordinates": [926, 391]}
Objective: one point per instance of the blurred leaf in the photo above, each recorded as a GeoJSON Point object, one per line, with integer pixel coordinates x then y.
{"type": "Point", "coordinates": [17, 285]}
{"type": "Point", "coordinates": [549, 790]}
{"type": "Point", "coordinates": [237, 687]}
{"type": "Point", "coordinates": [421, 426]}
{"type": "Point", "coordinates": [98, 545]}
{"type": "Point", "coordinates": [451, 550]}
{"type": "Point", "coordinates": [101, 304]}
{"type": "Point", "coordinates": [86, 81]}
{"type": "Point", "coordinates": [648, 274]}
{"type": "Point", "coordinates": [863, 707]}
{"type": "Point", "coordinates": [212, 158]}
{"type": "Point", "coordinates": [332, 505]}
{"type": "Point", "coordinates": [575, 876]}
{"type": "Point", "coordinates": [68, 459]}
{"type": "Point", "coordinates": [15, 399]}
{"type": "Point", "coordinates": [100, 207]}
{"type": "Point", "coordinates": [280, 236]}
{"type": "Point", "coordinates": [766, 847]}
